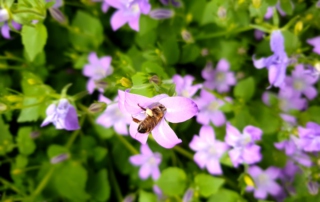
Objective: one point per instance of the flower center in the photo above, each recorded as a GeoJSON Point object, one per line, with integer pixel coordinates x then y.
{"type": "Point", "coordinates": [152, 161]}
{"type": "Point", "coordinates": [185, 93]}
{"type": "Point", "coordinates": [212, 151]}
{"type": "Point", "coordinates": [298, 85]}
{"type": "Point", "coordinates": [244, 140]}
{"type": "Point", "coordinates": [220, 76]}
{"type": "Point", "coordinates": [262, 179]}
{"type": "Point", "coordinates": [214, 106]}
{"type": "Point", "coordinates": [99, 73]}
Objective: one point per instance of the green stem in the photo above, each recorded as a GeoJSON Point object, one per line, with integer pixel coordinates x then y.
{"type": "Point", "coordinates": [28, 11]}
{"type": "Point", "coordinates": [13, 187]}
{"type": "Point", "coordinates": [75, 134]}
{"type": "Point", "coordinates": [127, 144]}
{"type": "Point", "coordinates": [114, 182]}
{"type": "Point", "coordinates": [224, 33]}
{"type": "Point", "coordinates": [11, 58]}
{"type": "Point", "coordinates": [291, 22]}
{"type": "Point", "coordinates": [183, 152]}
{"type": "Point", "coordinates": [43, 183]}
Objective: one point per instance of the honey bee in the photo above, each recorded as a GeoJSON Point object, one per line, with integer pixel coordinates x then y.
{"type": "Point", "coordinates": [154, 116]}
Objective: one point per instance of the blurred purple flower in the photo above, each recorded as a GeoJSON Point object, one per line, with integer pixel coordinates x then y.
{"type": "Point", "coordinates": [148, 161]}
{"type": "Point", "coordinates": [113, 116]}
{"type": "Point", "coordinates": [276, 63]}
{"type": "Point", "coordinates": [184, 85]}
{"type": "Point", "coordinates": [208, 150]}
{"type": "Point", "coordinates": [309, 137]}
{"type": "Point", "coordinates": [175, 3]}
{"type": "Point", "coordinates": [264, 182]}
{"type": "Point", "coordinates": [294, 151]}
{"type": "Point", "coordinates": [220, 78]}
{"type": "Point", "coordinates": [177, 109]}
{"type": "Point", "coordinates": [188, 195]}
{"type": "Point", "coordinates": [313, 187]}
{"type": "Point", "coordinates": [5, 28]}
{"type": "Point", "coordinates": [270, 11]}
{"type": "Point", "coordinates": [129, 198]}
{"type": "Point", "coordinates": [96, 70]}
{"type": "Point", "coordinates": [57, 4]}
{"type": "Point", "coordinates": [244, 150]}
{"type": "Point", "coordinates": [56, 13]}
{"type": "Point", "coordinates": [63, 116]}
{"type": "Point", "coordinates": [159, 193]}
{"type": "Point", "coordinates": [209, 109]}
{"type": "Point", "coordinates": [302, 83]}
{"type": "Point", "coordinates": [104, 6]}
{"type": "Point", "coordinates": [59, 158]}
{"type": "Point", "coordinates": [128, 12]}
{"type": "Point", "coordinates": [258, 34]}
{"type": "Point", "coordinates": [160, 14]}
{"type": "Point", "coordinates": [313, 71]}
{"type": "Point", "coordinates": [315, 42]}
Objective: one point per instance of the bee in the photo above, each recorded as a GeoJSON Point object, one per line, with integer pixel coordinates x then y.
{"type": "Point", "coordinates": [154, 116]}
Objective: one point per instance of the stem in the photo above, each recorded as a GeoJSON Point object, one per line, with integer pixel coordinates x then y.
{"type": "Point", "coordinates": [223, 33]}
{"type": "Point", "coordinates": [43, 182]}
{"type": "Point", "coordinates": [127, 144]}
{"type": "Point", "coordinates": [28, 11]}
{"type": "Point", "coordinates": [114, 182]}
{"type": "Point", "coordinates": [11, 58]}
{"type": "Point", "coordinates": [183, 152]}
{"type": "Point", "coordinates": [75, 134]}
{"type": "Point", "coordinates": [290, 22]}
{"type": "Point", "coordinates": [13, 187]}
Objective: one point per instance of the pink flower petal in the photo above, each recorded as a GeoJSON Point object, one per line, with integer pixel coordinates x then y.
{"type": "Point", "coordinates": [145, 171]}
{"type": "Point", "coordinates": [5, 31]}
{"type": "Point", "coordinates": [138, 159]}
{"type": "Point", "coordinates": [179, 109]}
{"type": "Point", "coordinates": [197, 143]}
{"type": "Point", "coordinates": [213, 166]}
{"type": "Point", "coordinates": [118, 19]}
{"type": "Point", "coordinates": [136, 135]}
{"type": "Point", "coordinates": [115, 3]}
{"type": "Point", "coordinates": [132, 101]}
{"type": "Point", "coordinates": [164, 135]}
{"type": "Point", "coordinates": [223, 65]}
{"type": "Point", "coordinates": [254, 132]}
{"type": "Point", "coordinates": [134, 23]}
{"type": "Point", "coordinates": [155, 173]}
{"type": "Point", "coordinates": [259, 64]}
{"type": "Point", "coordinates": [254, 171]}
{"type": "Point", "coordinates": [273, 172]}
{"type": "Point", "coordinates": [201, 158]}
{"type": "Point", "coordinates": [207, 134]}
{"type": "Point", "coordinates": [71, 121]}
{"type": "Point", "coordinates": [145, 150]}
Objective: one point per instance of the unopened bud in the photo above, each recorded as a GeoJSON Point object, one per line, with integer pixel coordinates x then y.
{"type": "Point", "coordinates": [59, 158]}
{"type": "Point", "coordinates": [125, 82]}
{"type": "Point", "coordinates": [248, 180]}
{"type": "Point", "coordinates": [309, 16]}
{"type": "Point", "coordinates": [204, 52]}
{"type": "Point", "coordinates": [313, 188]}
{"type": "Point", "coordinates": [97, 107]}
{"type": "Point", "coordinates": [318, 4]}
{"type": "Point", "coordinates": [298, 27]}
{"type": "Point", "coordinates": [187, 37]}
{"type": "Point", "coordinates": [35, 134]}
{"type": "Point", "coordinates": [3, 107]}
{"type": "Point", "coordinates": [100, 84]}
{"type": "Point", "coordinates": [256, 3]}
{"type": "Point", "coordinates": [57, 15]}
{"type": "Point", "coordinates": [159, 14]}
{"type": "Point", "coordinates": [154, 79]}
{"type": "Point", "coordinates": [222, 12]}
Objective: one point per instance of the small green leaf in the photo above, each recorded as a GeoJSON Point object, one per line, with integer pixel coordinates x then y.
{"type": "Point", "coordinates": [291, 41]}
{"type": "Point", "coordinates": [6, 144]}
{"type": "Point", "coordinates": [152, 67]}
{"type": "Point", "coordinates": [171, 50]}
{"type": "Point", "coordinates": [26, 144]}
{"type": "Point", "coordinates": [226, 195]}
{"type": "Point", "coordinates": [314, 113]}
{"type": "Point", "coordinates": [245, 89]}
{"type": "Point", "coordinates": [190, 52]}
{"type": "Point", "coordinates": [99, 187]}
{"type": "Point", "coordinates": [172, 181]}
{"type": "Point", "coordinates": [34, 39]}
{"type": "Point", "coordinates": [29, 113]}
{"type": "Point", "coordinates": [99, 153]}
{"type": "Point", "coordinates": [208, 184]}
{"type": "Point", "coordinates": [55, 150]}
{"type": "Point", "coordinates": [146, 197]}
{"type": "Point", "coordinates": [286, 6]}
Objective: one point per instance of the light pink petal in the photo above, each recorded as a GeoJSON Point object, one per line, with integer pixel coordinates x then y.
{"type": "Point", "coordinates": [269, 13]}
{"type": "Point", "coordinates": [91, 86]}
{"type": "Point", "coordinates": [138, 159]}
{"type": "Point", "coordinates": [235, 156]}
{"type": "Point", "coordinates": [132, 101]}
{"type": "Point", "coordinates": [155, 173]}
{"type": "Point", "coordinates": [273, 74]}
{"type": "Point", "coordinates": [197, 143]}
{"type": "Point", "coordinates": [104, 99]}
{"type": "Point", "coordinates": [105, 7]}
{"type": "Point", "coordinates": [47, 120]}
{"type": "Point", "coordinates": [164, 135]}
{"type": "Point", "coordinates": [115, 3]}
{"type": "Point", "coordinates": [106, 64]}
{"type": "Point", "coordinates": [277, 41]}
{"type": "Point", "coordinates": [218, 118]}
{"type": "Point", "coordinates": [121, 127]}
{"type": "Point", "coordinates": [134, 23]}
{"type": "Point", "coordinates": [310, 92]}
{"type": "Point", "coordinates": [105, 120]}
{"type": "Point", "coordinates": [232, 136]}
{"type": "Point", "coordinates": [214, 167]}
{"type": "Point", "coordinates": [145, 150]}
{"type": "Point", "coordinates": [254, 171]}
{"type": "Point", "coordinates": [260, 193]}
{"type": "Point", "coordinates": [121, 100]}
{"type": "Point", "coordinates": [142, 138]}
{"type": "Point", "coordinates": [178, 80]}
{"type": "Point", "coordinates": [118, 19]}
{"type": "Point", "coordinates": [254, 132]}
{"type": "Point", "coordinates": [203, 118]}
{"type": "Point", "coordinates": [223, 65]}
{"type": "Point", "coordinates": [179, 109]}
{"type": "Point", "coordinates": [201, 158]}
{"type": "Point", "coordinates": [145, 171]}
{"type": "Point", "coordinates": [16, 25]}
{"type": "Point", "coordinates": [93, 58]}
{"type": "Point", "coordinates": [274, 188]}
{"type": "Point", "coordinates": [259, 64]}
{"type": "Point", "coordinates": [207, 134]}
{"type": "Point", "coordinates": [71, 120]}
{"type": "Point", "coordinates": [5, 31]}
{"type": "Point", "coordinates": [273, 172]}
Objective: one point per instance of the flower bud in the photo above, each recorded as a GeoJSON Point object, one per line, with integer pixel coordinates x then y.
{"type": "Point", "coordinates": [222, 12]}
{"type": "Point", "coordinates": [189, 17]}
{"type": "Point", "coordinates": [3, 107]}
{"type": "Point", "coordinates": [187, 37]}
{"type": "Point", "coordinates": [59, 158]}
{"type": "Point", "coordinates": [34, 134]}
{"type": "Point", "coordinates": [97, 107]}
{"type": "Point", "coordinates": [57, 15]}
{"type": "Point", "coordinates": [248, 180]}
{"type": "Point", "coordinates": [125, 82]}
{"type": "Point", "coordinates": [204, 52]}
{"type": "Point", "coordinates": [4, 15]}
{"type": "Point", "coordinates": [159, 14]}
{"type": "Point", "coordinates": [155, 79]}
{"type": "Point", "coordinates": [298, 27]}
{"type": "Point", "coordinates": [100, 84]}
{"type": "Point", "coordinates": [313, 188]}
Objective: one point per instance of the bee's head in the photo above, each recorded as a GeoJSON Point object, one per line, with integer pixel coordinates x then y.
{"type": "Point", "coordinates": [162, 108]}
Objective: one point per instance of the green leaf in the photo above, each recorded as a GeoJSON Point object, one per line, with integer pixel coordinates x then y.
{"type": "Point", "coordinates": [171, 50]}
{"type": "Point", "coordinates": [190, 52]}
{"type": "Point", "coordinates": [291, 41]}
{"type": "Point", "coordinates": [152, 67]}
{"type": "Point", "coordinates": [99, 187]}
{"type": "Point", "coordinates": [6, 144]}
{"type": "Point", "coordinates": [245, 89]}
{"type": "Point", "coordinates": [314, 113]}
{"type": "Point", "coordinates": [172, 181]}
{"type": "Point", "coordinates": [209, 12]}
{"type": "Point", "coordinates": [99, 153]}
{"type": "Point", "coordinates": [29, 113]}
{"type": "Point", "coordinates": [286, 6]}
{"type": "Point", "coordinates": [34, 39]}
{"type": "Point", "coordinates": [146, 197]}
{"type": "Point", "coordinates": [26, 144]}
{"type": "Point", "coordinates": [55, 150]}
{"type": "Point", "coordinates": [226, 195]}
{"type": "Point", "coordinates": [104, 133]}
{"type": "Point", "coordinates": [70, 181]}
{"type": "Point", "coordinates": [272, 2]}
{"type": "Point", "coordinates": [87, 33]}
{"type": "Point", "coordinates": [208, 184]}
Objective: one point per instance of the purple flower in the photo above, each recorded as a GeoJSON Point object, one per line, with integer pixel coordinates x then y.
{"type": "Point", "coordinates": [128, 12]}
{"type": "Point", "coordinates": [309, 137]}
{"type": "Point", "coordinates": [313, 71]}
{"type": "Point", "coordinates": [270, 10]}
{"type": "Point", "coordinates": [148, 161]}
{"type": "Point", "coordinates": [313, 187]}
{"type": "Point", "coordinates": [175, 109]}
{"type": "Point", "coordinates": [104, 6]}
{"type": "Point", "coordinates": [59, 158]}
{"type": "Point", "coordinates": [276, 63]}
{"type": "Point", "coordinates": [113, 116]}
{"type": "Point", "coordinates": [63, 116]}
{"type": "Point", "coordinates": [209, 109]}
{"type": "Point", "coordinates": [302, 83]}
{"type": "Point", "coordinates": [294, 151]}
{"type": "Point", "coordinates": [160, 196]}
{"type": "Point", "coordinates": [175, 3]}
{"type": "Point", "coordinates": [5, 29]}
{"type": "Point", "coordinates": [220, 78]}
{"type": "Point", "coordinates": [208, 150]}
{"type": "Point", "coordinates": [188, 195]}
{"type": "Point", "coordinates": [244, 150]}
{"type": "Point", "coordinates": [264, 182]}
{"type": "Point", "coordinates": [96, 70]}
{"type": "Point", "coordinates": [315, 42]}
{"type": "Point", "coordinates": [258, 34]}
{"type": "Point", "coordinates": [159, 14]}
{"type": "Point", "coordinates": [184, 85]}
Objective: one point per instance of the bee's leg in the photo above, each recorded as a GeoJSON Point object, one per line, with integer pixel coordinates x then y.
{"type": "Point", "coordinates": [136, 120]}
{"type": "Point", "coordinates": [144, 109]}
